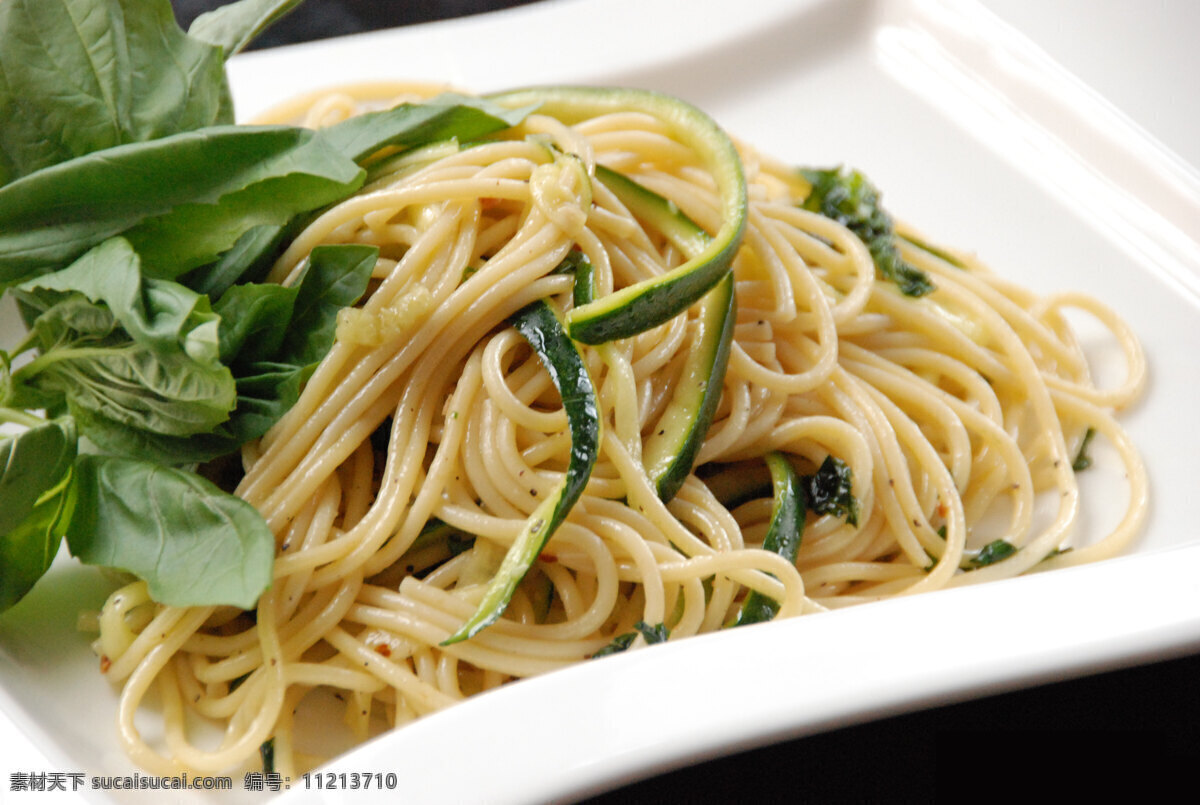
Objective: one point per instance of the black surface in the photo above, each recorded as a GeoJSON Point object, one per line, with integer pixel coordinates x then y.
{"type": "Point", "coordinates": [1139, 721]}
{"type": "Point", "coordinates": [320, 19]}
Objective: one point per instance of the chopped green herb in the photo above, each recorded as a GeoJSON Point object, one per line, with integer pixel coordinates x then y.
{"type": "Point", "coordinates": [1082, 459]}
{"type": "Point", "coordinates": [267, 752]}
{"type": "Point", "coordinates": [941, 254]}
{"type": "Point", "coordinates": [830, 490]}
{"type": "Point", "coordinates": [651, 634]}
{"type": "Point", "coordinates": [1056, 552]}
{"type": "Point", "coordinates": [992, 553]}
{"type": "Point", "coordinates": [618, 644]}
{"type": "Point", "coordinates": [848, 198]}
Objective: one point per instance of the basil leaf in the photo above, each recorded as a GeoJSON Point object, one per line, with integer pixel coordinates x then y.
{"type": "Point", "coordinates": [274, 336]}
{"type": "Point", "coordinates": [166, 197]}
{"type": "Point", "coordinates": [193, 544]}
{"type": "Point", "coordinates": [142, 353]}
{"type": "Point", "coordinates": [248, 261]}
{"type": "Point", "coordinates": [254, 320]}
{"type": "Point", "coordinates": [406, 125]}
{"type": "Point", "coordinates": [336, 277]}
{"type": "Point", "coordinates": [31, 463]}
{"type": "Point", "coordinates": [231, 27]}
{"type": "Point", "coordinates": [28, 550]}
{"type": "Point", "coordinates": [78, 76]}
{"type": "Point", "coordinates": [129, 441]}
{"type": "Point", "coordinates": [265, 393]}
{"type": "Point", "coordinates": [36, 467]}
{"type": "Point", "coordinates": [163, 315]}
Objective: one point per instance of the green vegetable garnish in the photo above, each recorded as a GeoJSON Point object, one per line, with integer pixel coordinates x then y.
{"type": "Point", "coordinates": [848, 198]}
{"type": "Point", "coordinates": [783, 534]}
{"type": "Point", "coordinates": [651, 634]}
{"type": "Point", "coordinates": [992, 553]}
{"type": "Point", "coordinates": [541, 326]}
{"type": "Point", "coordinates": [1082, 459]}
{"type": "Point", "coordinates": [830, 490]}
{"type": "Point", "coordinates": [136, 224]}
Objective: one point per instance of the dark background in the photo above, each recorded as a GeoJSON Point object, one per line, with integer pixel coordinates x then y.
{"type": "Point", "coordinates": [1138, 724]}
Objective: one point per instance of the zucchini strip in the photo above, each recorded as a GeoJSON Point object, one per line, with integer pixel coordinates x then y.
{"type": "Point", "coordinates": [539, 323]}
{"type": "Point", "coordinates": [644, 305]}
{"type": "Point", "coordinates": [670, 452]}
{"type": "Point", "coordinates": [783, 534]}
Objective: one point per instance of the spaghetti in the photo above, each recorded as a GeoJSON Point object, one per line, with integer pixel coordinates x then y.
{"type": "Point", "coordinates": [432, 431]}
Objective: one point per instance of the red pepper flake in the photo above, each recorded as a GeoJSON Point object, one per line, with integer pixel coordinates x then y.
{"type": "Point", "coordinates": [105, 663]}
{"type": "Point", "coordinates": [383, 650]}
{"type": "Point", "coordinates": [548, 558]}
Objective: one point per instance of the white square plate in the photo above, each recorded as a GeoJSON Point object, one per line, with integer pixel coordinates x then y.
{"type": "Point", "coordinates": [978, 140]}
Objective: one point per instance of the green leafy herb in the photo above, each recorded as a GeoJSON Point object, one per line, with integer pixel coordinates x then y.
{"type": "Point", "coordinates": [248, 260]}
{"type": "Point", "coordinates": [939, 253]}
{"type": "Point", "coordinates": [830, 490]}
{"type": "Point", "coordinates": [135, 223]}
{"type": "Point", "coordinates": [33, 463]}
{"type": "Point", "coordinates": [167, 200]}
{"type": "Point", "coordinates": [991, 553]}
{"type": "Point", "coordinates": [192, 543]}
{"type": "Point", "coordinates": [408, 125]}
{"type": "Point", "coordinates": [271, 372]}
{"type": "Point", "coordinates": [266, 751]}
{"type": "Point", "coordinates": [848, 198]}
{"type": "Point", "coordinates": [619, 643]}
{"type": "Point", "coordinates": [657, 633]}
{"type": "Point", "coordinates": [139, 353]}
{"type": "Point", "coordinates": [33, 493]}
{"type": "Point", "coordinates": [1082, 459]}
{"type": "Point", "coordinates": [232, 27]}
{"type": "Point", "coordinates": [79, 76]}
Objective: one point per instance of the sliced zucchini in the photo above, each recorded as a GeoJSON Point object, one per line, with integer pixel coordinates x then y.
{"type": "Point", "coordinates": [647, 304]}
{"type": "Point", "coordinates": [783, 534]}
{"type": "Point", "coordinates": [670, 452]}
{"type": "Point", "coordinates": [539, 323]}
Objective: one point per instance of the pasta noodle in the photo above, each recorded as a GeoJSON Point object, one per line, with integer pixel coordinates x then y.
{"type": "Point", "coordinates": [956, 413]}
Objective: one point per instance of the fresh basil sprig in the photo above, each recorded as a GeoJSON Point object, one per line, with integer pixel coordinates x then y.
{"type": "Point", "coordinates": [136, 225]}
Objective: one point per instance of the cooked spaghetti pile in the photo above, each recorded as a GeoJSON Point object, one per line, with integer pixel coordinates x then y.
{"type": "Point", "coordinates": [869, 437]}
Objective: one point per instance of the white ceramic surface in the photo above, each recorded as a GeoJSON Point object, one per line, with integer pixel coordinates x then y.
{"type": "Point", "coordinates": [976, 137]}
